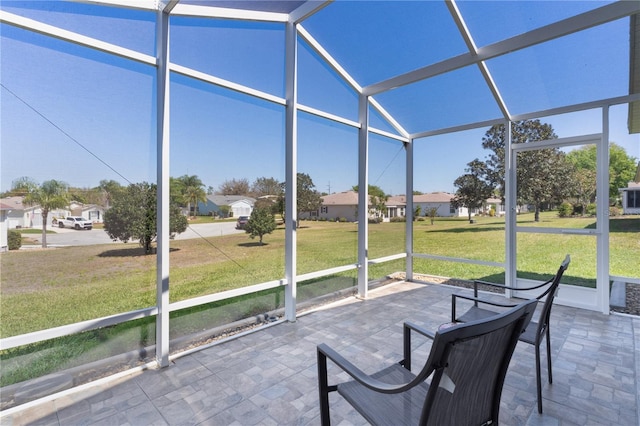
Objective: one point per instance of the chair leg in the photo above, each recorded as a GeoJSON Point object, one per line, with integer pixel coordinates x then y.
{"type": "Point", "coordinates": [538, 379]}
{"type": "Point", "coordinates": [323, 388]}
{"type": "Point", "coordinates": [549, 356]}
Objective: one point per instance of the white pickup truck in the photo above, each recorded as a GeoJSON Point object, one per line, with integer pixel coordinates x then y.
{"type": "Point", "coordinates": [75, 222]}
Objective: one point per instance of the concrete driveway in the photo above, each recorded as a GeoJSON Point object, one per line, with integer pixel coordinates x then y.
{"type": "Point", "coordinates": [71, 237]}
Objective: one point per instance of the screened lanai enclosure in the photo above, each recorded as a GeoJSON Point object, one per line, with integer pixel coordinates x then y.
{"type": "Point", "coordinates": [284, 105]}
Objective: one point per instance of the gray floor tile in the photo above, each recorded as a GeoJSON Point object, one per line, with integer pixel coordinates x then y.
{"type": "Point", "coordinates": [270, 377]}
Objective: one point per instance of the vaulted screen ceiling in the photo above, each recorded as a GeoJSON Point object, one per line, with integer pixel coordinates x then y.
{"type": "Point", "coordinates": [540, 55]}
{"type": "Point", "coordinates": [439, 65]}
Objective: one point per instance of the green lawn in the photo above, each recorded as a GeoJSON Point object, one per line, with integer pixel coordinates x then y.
{"type": "Point", "coordinates": [47, 288]}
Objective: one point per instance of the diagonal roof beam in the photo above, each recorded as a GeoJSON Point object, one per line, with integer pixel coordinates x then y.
{"type": "Point", "coordinates": [602, 15]}
{"type": "Point", "coordinates": [70, 36]}
{"type": "Point", "coordinates": [330, 60]}
{"type": "Point", "coordinates": [335, 65]}
{"type": "Point", "coordinates": [466, 35]}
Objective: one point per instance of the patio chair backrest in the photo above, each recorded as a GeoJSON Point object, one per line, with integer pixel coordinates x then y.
{"type": "Point", "coordinates": [473, 359]}
{"type": "Point", "coordinates": [550, 293]}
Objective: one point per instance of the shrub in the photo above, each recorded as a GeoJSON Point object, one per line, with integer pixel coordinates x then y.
{"type": "Point", "coordinates": [614, 211]}
{"type": "Point", "coordinates": [374, 220]}
{"type": "Point", "coordinates": [591, 209]}
{"type": "Point", "coordinates": [398, 219]}
{"type": "Point", "coordinates": [342, 219]}
{"type": "Point", "coordinates": [578, 209]}
{"type": "Point", "coordinates": [420, 219]}
{"type": "Point", "coordinates": [565, 209]}
{"type": "Point", "coordinates": [14, 239]}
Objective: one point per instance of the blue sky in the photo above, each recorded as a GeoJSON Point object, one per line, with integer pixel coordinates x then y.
{"type": "Point", "coordinates": [78, 115]}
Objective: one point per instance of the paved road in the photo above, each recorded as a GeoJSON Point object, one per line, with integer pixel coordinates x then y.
{"type": "Point", "coordinates": [71, 237]}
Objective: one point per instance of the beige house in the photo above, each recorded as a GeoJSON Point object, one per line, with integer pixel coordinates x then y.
{"type": "Point", "coordinates": [336, 206]}
{"type": "Point", "coordinates": [344, 205]}
{"type": "Point", "coordinates": [396, 206]}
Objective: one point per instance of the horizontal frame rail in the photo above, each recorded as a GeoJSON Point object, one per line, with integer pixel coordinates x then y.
{"type": "Point", "coordinates": [79, 327]}
{"type": "Point", "coordinates": [459, 259]}
{"type": "Point", "coordinates": [559, 231]}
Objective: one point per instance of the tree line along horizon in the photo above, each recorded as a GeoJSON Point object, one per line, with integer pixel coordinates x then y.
{"type": "Point", "coordinates": [546, 176]}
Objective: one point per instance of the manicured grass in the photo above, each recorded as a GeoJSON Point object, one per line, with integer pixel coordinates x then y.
{"type": "Point", "coordinates": [48, 288]}
{"type": "Point", "coordinates": [34, 231]}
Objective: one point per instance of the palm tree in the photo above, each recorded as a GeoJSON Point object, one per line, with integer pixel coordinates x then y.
{"type": "Point", "coordinates": [52, 194]}
{"type": "Point", "coordinates": [192, 191]}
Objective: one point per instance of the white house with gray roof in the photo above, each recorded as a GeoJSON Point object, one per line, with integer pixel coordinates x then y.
{"type": "Point", "coordinates": [441, 201]}
{"type": "Point", "coordinates": [239, 205]}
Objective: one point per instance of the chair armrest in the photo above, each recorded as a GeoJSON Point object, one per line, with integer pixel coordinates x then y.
{"type": "Point", "coordinates": [506, 287]}
{"type": "Point", "coordinates": [411, 326]}
{"type": "Point", "coordinates": [476, 300]}
{"type": "Point", "coordinates": [408, 326]}
{"type": "Point", "coordinates": [324, 352]}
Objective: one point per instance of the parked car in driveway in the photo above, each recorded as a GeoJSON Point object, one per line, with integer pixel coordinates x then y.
{"type": "Point", "coordinates": [242, 222]}
{"type": "Point", "coordinates": [75, 222]}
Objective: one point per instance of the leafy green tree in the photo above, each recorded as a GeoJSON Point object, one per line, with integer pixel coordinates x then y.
{"type": "Point", "coordinates": [495, 140]}
{"type": "Point", "coordinates": [309, 200]}
{"type": "Point", "coordinates": [109, 189]}
{"type": "Point", "coordinates": [265, 186]}
{"type": "Point", "coordinates": [21, 187]}
{"type": "Point", "coordinates": [176, 191]}
{"type": "Point", "coordinates": [133, 216]}
{"type": "Point", "coordinates": [473, 187]}
{"type": "Point", "coordinates": [224, 211]}
{"type": "Point", "coordinates": [416, 211]}
{"type": "Point", "coordinates": [377, 198]}
{"type": "Point", "coordinates": [261, 222]}
{"type": "Point", "coordinates": [51, 195]}
{"type": "Point", "coordinates": [583, 187]}
{"type": "Point", "coordinates": [544, 176]}
{"type": "Point", "coordinates": [432, 212]}
{"type": "Point", "coordinates": [193, 191]}
{"type": "Point", "coordinates": [622, 167]}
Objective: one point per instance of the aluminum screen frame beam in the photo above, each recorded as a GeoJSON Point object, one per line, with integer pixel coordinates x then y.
{"type": "Point", "coordinates": [602, 15]}
{"type": "Point", "coordinates": [291, 169]}
{"type": "Point", "coordinates": [163, 207]}
{"type": "Point", "coordinates": [473, 49]}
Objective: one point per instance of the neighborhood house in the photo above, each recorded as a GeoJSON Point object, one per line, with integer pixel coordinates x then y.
{"type": "Point", "coordinates": [344, 205]}
{"type": "Point", "coordinates": [238, 205]}
{"type": "Point", "coordinates": [631, 195]}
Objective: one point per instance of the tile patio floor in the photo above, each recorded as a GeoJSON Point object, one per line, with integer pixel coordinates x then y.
{"type": "Point", "coordinates": [269, 377]}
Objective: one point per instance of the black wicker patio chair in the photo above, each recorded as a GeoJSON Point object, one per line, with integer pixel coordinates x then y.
{"type": "Point", "coordinates": [536, 332]}
{"type": "Point", "coordinates": [467, 365]}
